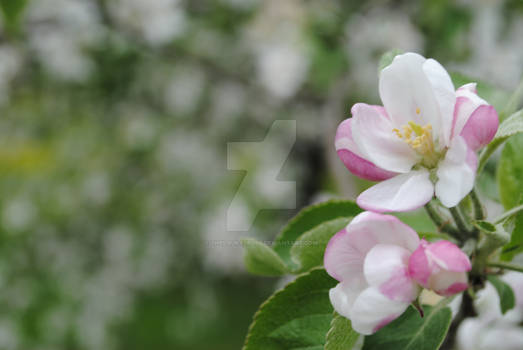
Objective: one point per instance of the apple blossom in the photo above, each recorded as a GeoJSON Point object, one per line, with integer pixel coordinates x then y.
{"type": "Point", "coordinates": [372, 260]}
{"type": "Point", "coordinates": [441, 267]}
{"type": "Point", "coordinates": [421, 143]}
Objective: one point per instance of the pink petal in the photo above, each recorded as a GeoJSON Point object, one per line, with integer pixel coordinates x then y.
{"type": "Point", "coordinates": [440, 266]}
{"type": "Point", "coordinates": [449, 256]}
{"type": "Point", "coordinates": [403, 192]}
{"type": "Point", "coordinates": [386, 267]}
{"type": "Point", "coordinates": [474, 118]}
{"type": "Point", "coordinates": [481, 127]}
{"type": "Point", "coordinates": [352, 158]}
{"type": "Point", "coordinates": [419, 266]}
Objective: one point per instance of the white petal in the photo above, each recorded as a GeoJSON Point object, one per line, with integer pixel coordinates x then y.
{"type": "Point", "coordinates": [445, 95]}
{"type": "Point", "coordinates": [372, 310]}
{"type": "Point", "coordinates": [455, 175]}
{"type": "Point", "coordinates": [342, 296]}
{"type": "Point", "coordinates": [375, 139]}
{"type": "Point", "coordinates": [386, 267]}
{"type": "Point", "coordinates": [407, 93]}
{"type": "Point", "coordinates": [403, 192]}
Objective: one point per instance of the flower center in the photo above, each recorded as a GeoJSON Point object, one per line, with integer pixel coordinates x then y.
{"type": "Point", "coordinates": [419, 138]}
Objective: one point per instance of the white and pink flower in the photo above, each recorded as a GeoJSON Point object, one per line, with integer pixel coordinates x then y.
{"type": "Point", "coordinates": [441, 267]}
{"type": "Point", "coordinates": [422, 142]}
{"type": "Point", "coordinates": [372, 258]}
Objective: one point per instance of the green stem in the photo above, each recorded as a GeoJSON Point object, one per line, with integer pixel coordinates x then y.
{"type": "Point", "coordinates": [479, 213]}
{"type": "Point", "coordinates": [508, 214]}
{"type": "Point", "coordinates": [506, 266]}
{"type": "Point", "coordinates": [460, 223]}
{"type": "Point", "coordinates": [487, 152]}
{"type": "Point", "coordinates": [442, 224]}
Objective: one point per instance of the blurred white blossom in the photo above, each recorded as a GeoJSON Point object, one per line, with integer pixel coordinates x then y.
{"type": "Point", "coordinates": [158, 21]}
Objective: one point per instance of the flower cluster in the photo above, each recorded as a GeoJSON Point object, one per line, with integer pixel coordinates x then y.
{"type": "Point", "coordinates": [421, 143]}
{"type": "Point", "coordinates": [381, 265]}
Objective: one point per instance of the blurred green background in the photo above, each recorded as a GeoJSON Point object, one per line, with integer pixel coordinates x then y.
{"type": "Point", "coordinates": [114, 121]}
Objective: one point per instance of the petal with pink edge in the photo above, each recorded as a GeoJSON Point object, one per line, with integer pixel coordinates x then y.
{"type": "Point", "coordinates": [386, 267]}
{"type": "Point", "coordinates": [467, 102]}
{"type": "Point", "coordinates": [352, 158]}
{"type": "Point", "coordinates": [372, 310]}
{"type": "Point", "coordinates": [481, 127]}
{"type": "Point", "coordinates": [343, 258]}
{"type": "Point", "coordinates": [375, 139]}
{"type": "Point", "coordinates": [403, 192]}
{"type": "Point", "coordinates": [455, 175]}
{"type": "Point", "coordinates": [448, 283]}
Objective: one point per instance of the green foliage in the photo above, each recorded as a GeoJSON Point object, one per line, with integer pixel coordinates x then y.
{"type": "Point", "coordinates": [510, 172]}
{"type": "Point", "coordinates": [515, 246]}
{"type": "Point", "coordinates": [412, 332]}
{"type": "Point", "coordinates": [297, 316]}
{"type": "Point", "coordinates": [507, 299]}
{"type": "Point", "coordinates": [308, 250]}
{"type": "Point", "coordinates": [308, 219]}
{"type": "Point", "coordinates": [261, 259]}
{"type": "Point", "coordinates": [341, 336]}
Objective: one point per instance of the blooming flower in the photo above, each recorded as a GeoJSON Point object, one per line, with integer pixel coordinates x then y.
{"type": "Point", "coordinates": [373, 259]}
{"type": "Point", "coordinates": [422, 142]}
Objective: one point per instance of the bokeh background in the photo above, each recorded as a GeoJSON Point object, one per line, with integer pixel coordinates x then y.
{"type": "Point", "coordinates": [115, 117]}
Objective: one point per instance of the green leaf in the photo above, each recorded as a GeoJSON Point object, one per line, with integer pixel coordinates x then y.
{"type": "Point", "coordinates": [292, 332]}
{"type": "Point", "coordinates": [309, 218]}
{"type": "Point", "coordinates": [308, 250]}
{"type": "Point", "coordinates": [387, 58]}
{"type": "Point", "coordinates": [341, 336]}
{"type": "Point", "coordinates": [507, 299]}
{"type": "Point", "coordinates": [261, 259]}
{"type": "Point", "coordinates": [515, 246]}
{"type": "Point", "coordinates": [412, 332]}
{"type": "Point", "coordinates": [510, 172]}
{"type": "Point", "coordinates": [511, 126]}
{"type": "Point", "coordinates": [485, 226]}
{"type": "Point", "coordinates": [295, 316]}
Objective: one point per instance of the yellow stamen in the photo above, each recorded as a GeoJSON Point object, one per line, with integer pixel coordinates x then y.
{"type": "Point", "coordinates": [420, 139]}
{"type": "Point", "coordinates": [418, 111]}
